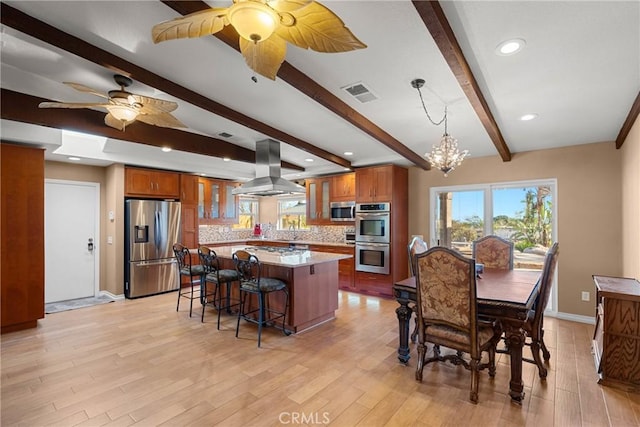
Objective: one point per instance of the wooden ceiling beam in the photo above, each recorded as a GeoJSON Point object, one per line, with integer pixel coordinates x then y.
{"type": "Point", "coordinates": [42, 31]}
{"type": "Point", "coordinates": [628, 123]}
{"type": "Point", "coordinates": [312, 89]}
{"type": "Point", "coordinates": [436, 22]}
{"type": "Point", "coordinates": [23, 108]}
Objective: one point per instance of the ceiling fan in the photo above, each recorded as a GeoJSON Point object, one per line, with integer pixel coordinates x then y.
{"type": "Point", "coordinates": [265, 27]}
{"type": "Point", "coordinates": [123, 108]}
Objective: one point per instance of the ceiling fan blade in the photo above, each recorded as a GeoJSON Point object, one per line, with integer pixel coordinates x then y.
{"type": "Point", "coordinates": [70, 105]}
{"type": "Point", "coordinates": [109, 120]}
{"type": "Point", "coordinates": [154, 105]}
{"type": "Point", "coordinates": [266, 57]}
{"type": "Point", "coordinates": [165, 120]}
{"type": "Point", "coordinates": [87, 89]}
{"type": "Point", "coordinates": [287, 5]}
{"type": "Point", "coordinates": [196, 24]}
{"type": "Point", "coordinates": [319, 29]}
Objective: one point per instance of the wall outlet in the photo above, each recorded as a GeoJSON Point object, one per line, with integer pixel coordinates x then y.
{"type": "Point", "coordinates": [586, 296]}
{"type": "Point", "coordinates": [109, 240]}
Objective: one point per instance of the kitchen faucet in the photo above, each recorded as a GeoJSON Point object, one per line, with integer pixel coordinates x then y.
{"type": "Point", "coordinates": [295, 235]}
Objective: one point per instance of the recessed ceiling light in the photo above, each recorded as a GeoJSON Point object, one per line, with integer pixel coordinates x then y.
{"type": "Point", "coordinates": [527, 117]}
{"type": "Point", "coordinates": [348, 153]}
{"type": "Point", "coordinates": [510, 47]}
{"type": "Point", "coordinates": [203, 174]}
{"type": "Point", "coordinates": [226, 159]}
{"type": "Point", "coordinates": [166, 149]}
{"type": "Point", "coordinates": [75, 159]}
{"type": "Point", "coordinates": [308, 160]}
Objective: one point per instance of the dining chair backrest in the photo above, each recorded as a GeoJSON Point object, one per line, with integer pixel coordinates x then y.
{"type": "Point", "coordinates": [546, 281]}
{"type": "Point", "coordinates": [446, 293]}
{"type": "Point", "coordinates": [494, 252]}
{"type": "Point", "coordinates": [416, 246]}
{"type": "Point", "coordinates": [248, 266]}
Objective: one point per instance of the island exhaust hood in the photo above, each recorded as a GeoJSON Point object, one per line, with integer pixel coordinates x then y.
{"type": "Point", "coordinates": [268, 181]}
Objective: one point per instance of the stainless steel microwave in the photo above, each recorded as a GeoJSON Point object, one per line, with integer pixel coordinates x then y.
{"type": "Point", "coordinates": [343, 211]}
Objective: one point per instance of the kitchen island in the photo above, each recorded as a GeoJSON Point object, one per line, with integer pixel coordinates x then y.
{"type": "Point", "coordinates": [311, 277]}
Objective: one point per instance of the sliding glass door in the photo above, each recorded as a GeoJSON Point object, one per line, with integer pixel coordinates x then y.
{"type": "Point", "coordinates": [522, 212]}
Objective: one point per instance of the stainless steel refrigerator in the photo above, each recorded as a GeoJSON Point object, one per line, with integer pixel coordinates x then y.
{"type": "Point", "coordinates": [151, 229]}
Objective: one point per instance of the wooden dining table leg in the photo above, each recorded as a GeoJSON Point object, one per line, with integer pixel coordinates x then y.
{"type": "Point", "coordinates": [404, 315]}
{"type": "Point", "coordinates": [515, 342]}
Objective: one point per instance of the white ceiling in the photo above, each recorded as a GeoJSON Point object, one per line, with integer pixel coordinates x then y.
{"type": "Point", "coordinates": [579, 71]}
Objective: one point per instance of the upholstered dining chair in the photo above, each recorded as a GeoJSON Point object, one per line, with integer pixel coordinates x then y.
{"type": "Point", "coordinates": [416, 246]}
{"type": "Point", "coordinates": [251, 282]}
{"type": "Point", "coordinates": [448, 314]}
{"type": "Point", "coordinates": [534, 327]}
{"type": "Point", "coordinates": [493, 252]}
{"type": "Point", "coordinates": [217, 277]}
{"type": "Point", "coordinates": [192, 272]}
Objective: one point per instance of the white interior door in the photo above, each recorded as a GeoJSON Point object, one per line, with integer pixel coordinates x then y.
{"type": "Point", "coordinates": [71, 228]}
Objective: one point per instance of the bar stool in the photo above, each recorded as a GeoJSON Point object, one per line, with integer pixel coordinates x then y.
{"type": "Point", "coordinates": [251, 282]}
{"type": "Point", "coordinates": [193, 272]}
{"type": "Point", "coordinates": [214, 275]}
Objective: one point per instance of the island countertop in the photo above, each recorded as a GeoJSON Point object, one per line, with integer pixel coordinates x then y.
{"type": "Point", "coordinates": [283, 257]}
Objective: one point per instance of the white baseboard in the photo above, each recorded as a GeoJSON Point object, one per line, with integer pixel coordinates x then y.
{"type": "Point", "coordinates": [112, 296]}
{"type": "Point", "coordinates": [572, 317]}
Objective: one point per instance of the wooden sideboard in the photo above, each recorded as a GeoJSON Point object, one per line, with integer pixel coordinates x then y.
{"type": "Point", "coordinates": [616, 340]}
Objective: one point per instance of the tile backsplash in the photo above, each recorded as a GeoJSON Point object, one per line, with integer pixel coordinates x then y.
{"type": "Point", "coordinates": [320, 233]}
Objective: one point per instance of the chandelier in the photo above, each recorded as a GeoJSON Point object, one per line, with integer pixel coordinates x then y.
{"type": "Point", "coordinates": [445, 156]}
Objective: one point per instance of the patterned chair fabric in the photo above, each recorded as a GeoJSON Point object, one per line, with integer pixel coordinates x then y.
{"type": "Point", "coordinates": [217, 277]}
{"type": "Point", "coordinates": [249, 271]}
{"type": "Point", "coordinates": [447, 314]}
{"type": "Point", "coordinates": [187, 269]}
{"type": "Point", "coordinates": [493, 252]}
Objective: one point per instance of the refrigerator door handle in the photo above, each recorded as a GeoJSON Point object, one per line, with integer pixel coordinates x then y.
{"type": "Point", "coordinates": [156, 230]}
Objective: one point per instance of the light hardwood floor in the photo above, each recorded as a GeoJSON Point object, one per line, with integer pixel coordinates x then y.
{"type": "Point", "coordinates": [138, 362]}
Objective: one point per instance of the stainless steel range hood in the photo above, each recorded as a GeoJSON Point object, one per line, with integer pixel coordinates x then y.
{"type": "Point", "coordinates": [268, 181]}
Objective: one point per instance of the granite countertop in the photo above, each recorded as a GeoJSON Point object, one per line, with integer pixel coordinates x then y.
{"type": "Point", "coordinates": [295, 242]}
{"type": "Point", "coordinates": [295, 258]}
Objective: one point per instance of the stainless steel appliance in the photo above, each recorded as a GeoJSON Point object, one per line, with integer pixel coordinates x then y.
{"type": "Point", "coordinates": [372, 257]}
{"type": "Point", "coordinates": [350, 238]}
{"type": "Point", "coordinates": [343, 211]}
{"type": "Point", "coordinates": [372, 222]}
{"type": "Point", "coordinates": [151, 229]}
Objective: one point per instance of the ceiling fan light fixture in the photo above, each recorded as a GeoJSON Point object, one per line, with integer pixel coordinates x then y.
{"type": "Point", "coordinates": [253, 20]}
{"type": "Point", "coordinates": [123, 113]}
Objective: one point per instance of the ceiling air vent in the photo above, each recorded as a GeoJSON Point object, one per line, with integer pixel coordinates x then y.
{"type": "Point", "coordinates": [360, 92]}
{"type": "Point", "coordinates": [225, 135]}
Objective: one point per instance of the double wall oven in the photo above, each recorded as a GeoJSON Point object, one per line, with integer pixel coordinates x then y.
{"type": "Point", "coordinates": [373, 237]}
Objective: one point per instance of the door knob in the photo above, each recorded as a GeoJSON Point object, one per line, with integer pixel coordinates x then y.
{"type": "Point", "coordinates": [90, 244]}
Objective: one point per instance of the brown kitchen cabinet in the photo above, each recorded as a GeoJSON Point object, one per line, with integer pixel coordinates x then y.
{"type": "Point", "coordinates": [374, 184]}
{"type": "Point", "coordinates": [189, 207]}
{"type": "Point", "coordinates": [216, 202]}
{"type": "Point", "coordinates": [346, 267]}
{"type": "Point", "coordinates": [343, 187]}
{"type": "Point", "coordinates": [616, 340]}
{"type": "Point", "coordinates": [318, 199]}
{"type": "Point", "coordinates": [22, 199]}
{"type": "Point", "coordinates": [151, 183]}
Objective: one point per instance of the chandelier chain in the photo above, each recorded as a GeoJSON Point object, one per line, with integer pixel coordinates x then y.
{"type": "Point", "coordinates": [433, 122]}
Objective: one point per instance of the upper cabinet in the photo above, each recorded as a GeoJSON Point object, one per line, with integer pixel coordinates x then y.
{"type": "Point", "coordinates": [343, 187]}
{"type": "Point", "coordinates": [318, 197]}
{"type": "Point", "coordinates": [151, 183]}
{"type": "Point", "coordinates": [189, 204]}
{"type": "Point", "coordinates": [374, 184]}
{"type": "Point", "coordinates": [216, 202]}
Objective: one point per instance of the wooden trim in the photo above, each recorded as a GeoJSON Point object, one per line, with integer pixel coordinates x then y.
{"type": "Point", "coordinates": [312, 89]}
{"type": "Point", "coordinates": [24, 108]}
{"type": "Point", "coordinates": [49, 34]}
{"type": "Point", "coordinates": [628, 123]}
{"type": "Point", "coordinates": [436, 22]}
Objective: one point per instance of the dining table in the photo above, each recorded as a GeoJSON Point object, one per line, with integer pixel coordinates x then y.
{"type": "Point", "coordinates": [505, 295]}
